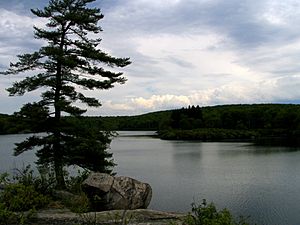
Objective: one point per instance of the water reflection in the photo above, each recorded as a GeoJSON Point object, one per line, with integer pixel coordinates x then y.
{"type": "Point", "coordinates": [186, 150]}
{"type": "Point", "coordinates": [9, 162]}
{"type": "Point", "coordinates": [248, 148]}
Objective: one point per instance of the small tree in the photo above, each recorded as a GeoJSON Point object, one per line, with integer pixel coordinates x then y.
{"type": "Point", "coordinates": [70, 60]}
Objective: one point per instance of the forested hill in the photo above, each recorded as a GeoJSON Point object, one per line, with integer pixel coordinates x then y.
{"type": "Point", "coordinates": [257, 116]}
{"type": "Point", "coordinates": [194, 122]}
{"type": "Point", "coordinates": [262, 123]}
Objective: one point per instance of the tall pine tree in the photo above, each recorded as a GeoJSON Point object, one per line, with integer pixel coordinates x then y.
{"type": "Point", "coordinates": [70, 60]}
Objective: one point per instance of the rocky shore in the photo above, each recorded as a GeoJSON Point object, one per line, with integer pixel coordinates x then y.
{"type": "Point", "coordinates": [122, 217]}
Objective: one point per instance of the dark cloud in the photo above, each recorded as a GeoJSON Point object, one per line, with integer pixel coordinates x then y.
{"type": "Point", "coordinates": [241, 21]}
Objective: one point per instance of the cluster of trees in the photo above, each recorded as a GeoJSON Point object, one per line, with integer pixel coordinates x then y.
{"type": "Point", "coordinates": [186, 118]}
{"type": "Point", "coordinates": [149, 121]}
{"type": "Point", "coordinates": [5, 125]}
{"type": "Point", "coordinates": [241, 117]}
{"type": "Point", "coordinates": [269, 123]}
{"type": "Point", "coordinates": [257, 116]}
{"type": "Point", "coordinates": [263, 123]}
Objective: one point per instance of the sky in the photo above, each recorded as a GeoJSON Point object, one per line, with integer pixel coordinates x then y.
{"type": "Point", "coordinates": [183, 52]}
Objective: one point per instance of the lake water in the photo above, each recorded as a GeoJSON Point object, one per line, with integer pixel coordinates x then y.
{"type": "Point", "coordinates": [260, 182]}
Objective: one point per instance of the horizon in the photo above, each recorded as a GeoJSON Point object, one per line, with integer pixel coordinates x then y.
{"type": "Point", "coordinates": [207, 106]}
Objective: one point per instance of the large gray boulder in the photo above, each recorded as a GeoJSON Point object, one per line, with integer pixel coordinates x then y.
{"type": "Point", "coordinates": [107, 192]}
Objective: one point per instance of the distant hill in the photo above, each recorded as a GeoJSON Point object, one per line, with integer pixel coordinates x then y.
{"type": "Point", "coordinates": [255, 116]}
{"type": "Point", "coordinates": [223, 122]}
{"type": "Point", "coordinates": [262, 123]}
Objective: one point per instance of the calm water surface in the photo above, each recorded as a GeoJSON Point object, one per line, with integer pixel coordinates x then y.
{"type": "Point", "coordinates": [260, 182]}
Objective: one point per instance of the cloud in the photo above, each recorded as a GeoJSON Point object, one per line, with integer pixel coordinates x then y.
{"type": "Point", "coordinates": [183, 52]}
{"type": "Point", "coordinates": [16, 35]}
{"type": "Point", "coordinates": [267, 91]}
{"type": "Point", "coordinates": [160, 101]}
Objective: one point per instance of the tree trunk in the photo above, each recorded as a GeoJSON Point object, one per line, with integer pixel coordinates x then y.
{"type": "Point", "coordinates": [57, 154]}
{"type": "Point", "coordinates": [58, 161]}
{"type": "Point", "coordinates": [59, 174]}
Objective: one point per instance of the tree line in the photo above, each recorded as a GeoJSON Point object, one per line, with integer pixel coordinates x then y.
{"type": "Point", "coordinates": [262, 122]}
{"type": "Point", "coordinates": [256, 116]}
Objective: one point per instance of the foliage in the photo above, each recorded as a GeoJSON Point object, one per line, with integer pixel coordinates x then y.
{"type": "Point", "coordinates": [71, 60]}
{"type": "Point", "coordinates": [149, 121]}
{"type": "Point", "coordinates": [277, 124]}
{"type": "Point", "coordinates": [263, 123]}
{"type": "Point", "coordinates": [8, 217]}
{"type": "Point", "coordinates": [207, 214]}
{"type": "Point", "coordinates": [262, 119]}
{"type": "Point", "coordinates": [79, 203]}
{"type": "Point", "coordinates": [24, 191]}
{"type": "Point", "coordinates": [44, 183]}
{"type": "Point", "coordinates": [19, 197]}
{"type": "Point", "coordinates": [74, 182]}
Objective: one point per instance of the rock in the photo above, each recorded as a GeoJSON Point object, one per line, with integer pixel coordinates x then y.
{"type": "Point", "coordinates": [132, 217]}
{"type": "Point", "coordinates": [116, 192]}
{"type": "Point", "coordinates": [101, 181]}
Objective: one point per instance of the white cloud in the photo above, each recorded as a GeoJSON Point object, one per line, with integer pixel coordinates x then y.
{"type": "Point", "coordinates": [281, 13]}
{"type": "Point", "coordinates": [278, 89]}
{"type": "Point", "coordinates": [17, 26]}
{"type": "Point", "coordinates": [160, 101]}
{"type": "Point", "coordinates": [16, 35]}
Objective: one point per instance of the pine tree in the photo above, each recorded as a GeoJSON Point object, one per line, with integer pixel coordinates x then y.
{"type": "Point", "coordinates": [71, 59]}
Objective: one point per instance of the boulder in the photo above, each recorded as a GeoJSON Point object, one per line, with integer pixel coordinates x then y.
{"type": "Point", "coordinates": [108, 193]}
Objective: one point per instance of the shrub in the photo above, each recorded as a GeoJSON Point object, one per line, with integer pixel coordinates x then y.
{"type": "Point", "coordinates": [43, 184]}
{"type": "Point", "coordinates": [207, 214]}
{"type": "Point", "coordinates": [73, 183]}
{"type": "Point", "coordinates": [8, 217]}
{"type": "Point", "coordinates": [79, 204]}
{"type": "Point", "coordinates": [18, 197]}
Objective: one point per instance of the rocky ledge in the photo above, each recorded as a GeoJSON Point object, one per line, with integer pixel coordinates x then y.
{"type": "Point", "coordinates": [122, 217]}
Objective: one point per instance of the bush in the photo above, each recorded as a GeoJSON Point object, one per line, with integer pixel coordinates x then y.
{"type": "Point", "coordinates": [79, 204]}
{"type": "Point", "coordinates": [18, 198]}
{"type": "Point", "coordinates": [73, 183]}
{"type": "Point", "coordinates": [43, 184]}
{"type": "Point", "coordinates": [207, 214]}
{"type": "Point", "coordinates": [8, 217]}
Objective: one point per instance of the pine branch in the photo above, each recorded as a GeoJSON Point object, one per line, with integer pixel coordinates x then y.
{"type": "Point", "coordinates": [28, 84]}
{"type": "Point", "coordinates": [26, 62]}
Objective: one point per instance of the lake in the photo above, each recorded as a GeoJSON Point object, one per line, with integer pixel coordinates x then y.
{"type": "Point", "coordinates": [260, 182]}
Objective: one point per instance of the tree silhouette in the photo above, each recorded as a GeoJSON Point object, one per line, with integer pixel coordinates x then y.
{"type": "Point", "coordinates": [71, 60]}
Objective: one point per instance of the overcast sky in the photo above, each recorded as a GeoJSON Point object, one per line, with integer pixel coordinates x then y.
{"type": "Point", "coordinates": [183, 52]}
